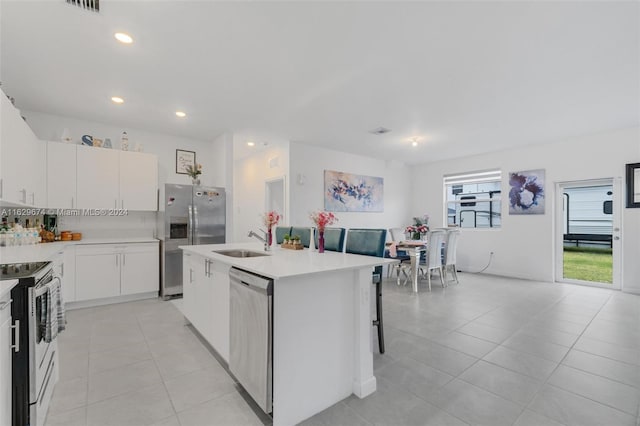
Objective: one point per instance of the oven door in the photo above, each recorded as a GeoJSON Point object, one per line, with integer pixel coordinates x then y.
{"type": "Point", "coordinates": [41, 352]}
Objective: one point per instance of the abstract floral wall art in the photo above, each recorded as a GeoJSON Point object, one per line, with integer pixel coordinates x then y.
{"type": "Point", "coordinates": [346, 192]}
{"type": "Point", "coordinates": [526, 192]}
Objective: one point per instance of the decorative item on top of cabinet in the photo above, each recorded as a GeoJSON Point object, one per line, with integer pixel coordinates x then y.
{"type": "Point", "coordinates": [124, 142]}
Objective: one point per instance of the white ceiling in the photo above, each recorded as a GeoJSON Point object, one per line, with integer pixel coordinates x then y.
{"type": "Point", "coordinates": [468, 77]}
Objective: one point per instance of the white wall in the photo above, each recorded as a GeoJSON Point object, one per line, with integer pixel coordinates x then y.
{"type": "Point", "coordinates": [250, 174]}
{"type": "Point", "coordinates": [524, 246]}
{"type": "Point", "coordinates": [310, 162]}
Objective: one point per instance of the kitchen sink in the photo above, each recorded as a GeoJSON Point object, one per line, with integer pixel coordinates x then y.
{"type": "Point", "coordinates": [241, 253]}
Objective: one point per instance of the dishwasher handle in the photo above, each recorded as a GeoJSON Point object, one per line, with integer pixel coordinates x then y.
{"type": "Point", "coordinates": [254, 282]}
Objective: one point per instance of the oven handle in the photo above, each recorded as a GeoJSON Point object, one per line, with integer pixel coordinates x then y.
{"type": "Point", "coordinates": [16, 336]}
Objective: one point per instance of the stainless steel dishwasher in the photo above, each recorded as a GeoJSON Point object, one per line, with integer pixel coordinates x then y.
{"type": "Point", "coordinates": [251, 335]}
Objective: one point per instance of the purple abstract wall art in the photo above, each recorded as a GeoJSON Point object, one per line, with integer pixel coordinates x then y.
{"type": "Point", "coordinates": [526, 192]}
{"type": "Point", "coordinates": [346, 192]}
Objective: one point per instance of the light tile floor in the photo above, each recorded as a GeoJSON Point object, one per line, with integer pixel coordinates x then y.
{"type": "Point", "coordinates": [491, 351]}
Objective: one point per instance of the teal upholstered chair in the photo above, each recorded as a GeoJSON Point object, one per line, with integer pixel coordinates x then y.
{"type": "Point", "coordinates": [281, 231]}
{"type": "Point", "coordinates": [371, 242]}
{"type": "Point", "coordinates": [303, 233]}
{"type": "Point", "coordinates": [333, 239]}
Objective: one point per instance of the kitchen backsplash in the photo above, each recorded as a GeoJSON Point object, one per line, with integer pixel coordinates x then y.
{"type": "Point", "coordinates": [134, 224]}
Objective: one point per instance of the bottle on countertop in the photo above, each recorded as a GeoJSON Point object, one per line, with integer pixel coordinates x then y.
{"type": "Point", "coordinates": [124, 142]}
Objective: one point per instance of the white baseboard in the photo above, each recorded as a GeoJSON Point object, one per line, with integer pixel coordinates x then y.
{"type": "Point", "coordinates": [110, 300]}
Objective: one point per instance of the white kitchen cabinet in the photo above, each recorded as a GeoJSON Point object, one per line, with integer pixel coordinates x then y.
{"type": "Point", "coordinates": [110, 270]}
{"type": "Point", "coordinates": [61, 175]}
{"type": "Point", "coordinates": [68, 274]}
{"type": "Point", "coordinates": [206, 300]}
{"type": "Point", "coordinates": [138, 181]}
{"type": "Point", "coordinates": [97, 178]}
{"type": "Point", "coordinates": [98, 275]}
{"type": "Point", "coordinates": [140, 269]}
{"type": "Point", "coordinates": [21, 161]}
{"type": "Point", "coordinates": [220, 303]}
{"type": "Point", "coordinates": [5, 360]}
{"type": "Point", "coordinates": [196, 294]}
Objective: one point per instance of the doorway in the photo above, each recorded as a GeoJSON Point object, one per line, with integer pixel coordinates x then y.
{"type": "Point", "coordinates": [275, 198]}
{"type": "Point", "coordinates": [588, 233]}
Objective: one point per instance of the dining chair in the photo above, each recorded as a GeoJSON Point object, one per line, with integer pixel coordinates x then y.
{"type": "Point", "coordinates": [433, 256]}
{"type": "Point", "coordinates": [333, 239]}
{"type": "Point", "coordinates": [450, 249]}
{"type": "Point", "coordinates": [281, 231]}
{"type": "Point", "coordinates": [303, 233]}
{"type": "Point", "coordinates": [397, 235]}
{"type": "Point", "coordinates": [371, 242]}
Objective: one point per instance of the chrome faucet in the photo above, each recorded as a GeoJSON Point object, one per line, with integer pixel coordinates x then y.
{"type": "Point", "coordinates": [263, 239]}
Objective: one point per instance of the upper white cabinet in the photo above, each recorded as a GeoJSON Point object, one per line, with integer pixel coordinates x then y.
{"type": "Point", "coordinates": [61, 176]}
{"type": "Point", "coordinates": [84, 177]}
{"type": "Point", "coordinates": [138, 181]}
{"type": "Point", "coordinates": [22, 166]}
{"type": "Point", "coordinates": [97, 178]}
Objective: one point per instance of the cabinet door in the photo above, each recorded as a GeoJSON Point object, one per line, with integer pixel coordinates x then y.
{"type": "Point", "coordinates": [38, 171]}
{"type": "Point", "coordinates": [16, 143]}
{"type": "Point", "coordinates": [140, 270]}
{"type": "Point", "coordinates": [97, 276]}
{"type": "Point", "coordinates": [97, 174]}
{"type": "Point", "coordinates": [219, 307]}
{"type": "Point", "coordinates": [138, 181]}
{"type": "Point", "coordinates": [61, 175]}
{"type": "Point", "coordinates": [5, 366]}
{"type": "Point", "coordinates": [188, 288]}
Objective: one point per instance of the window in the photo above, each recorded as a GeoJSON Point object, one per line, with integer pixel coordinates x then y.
{"type": "Point", "coordinates": [474, 199]}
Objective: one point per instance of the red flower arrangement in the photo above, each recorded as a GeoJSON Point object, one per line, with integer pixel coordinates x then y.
{"type": "Point", "coordinates": [271, 218]}
{"type": "Point", "coordinates": [322, 219]}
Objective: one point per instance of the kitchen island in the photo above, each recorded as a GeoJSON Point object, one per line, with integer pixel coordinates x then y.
{"type": "Point", "coordinates": [322, 320]}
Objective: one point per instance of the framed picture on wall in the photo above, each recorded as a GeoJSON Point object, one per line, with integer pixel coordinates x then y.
{"type": "Point", "coordinates": [183, 160]}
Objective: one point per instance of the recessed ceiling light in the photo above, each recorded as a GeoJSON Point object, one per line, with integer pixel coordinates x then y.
{"type": "Point", "coordinates": [414, 140]}
{"type": "Point", "coordinates": [117, 99]}
{"type": "Point", "coordinates": [181, 114]}
{"type": "Point", "coordinates": [251, 143]}
{"type": "Point", "coordinates": [123, 38]}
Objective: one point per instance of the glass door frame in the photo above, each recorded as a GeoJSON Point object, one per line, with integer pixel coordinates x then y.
{"type": "Point", "coordinates": [616, 245]}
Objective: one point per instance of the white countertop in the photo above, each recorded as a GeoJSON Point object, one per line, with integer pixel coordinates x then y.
{"type": "Point", "coordinates": [6, 286]}
{"type": "Point", "coordinates": [282, 263]}
{"type": "Point", "coordinates": [45, 251]}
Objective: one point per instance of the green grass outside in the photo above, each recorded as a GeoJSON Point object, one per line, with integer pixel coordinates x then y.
{"type": "Point", "coordinates": [595, 265]}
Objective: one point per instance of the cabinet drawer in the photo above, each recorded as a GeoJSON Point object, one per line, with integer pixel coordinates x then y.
{"type": "Point", "coordinates": [89, 249]}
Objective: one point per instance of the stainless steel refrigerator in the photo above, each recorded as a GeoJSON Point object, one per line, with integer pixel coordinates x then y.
{"type": "Point", "coordinates": [192, 215]}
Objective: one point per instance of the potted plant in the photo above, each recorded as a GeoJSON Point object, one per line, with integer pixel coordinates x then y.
{"type": "Point", "coordinates": [286, 239]}
{"type": "Point", "coordinates": [296, 240]}
{"type": "Point", "coordinates": [194, 172]}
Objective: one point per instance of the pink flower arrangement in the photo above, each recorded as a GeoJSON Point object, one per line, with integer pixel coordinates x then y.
{"type": "Point", "coordinates": [322, 219]}
{"type": "Point", "coordinates": [271, 218]}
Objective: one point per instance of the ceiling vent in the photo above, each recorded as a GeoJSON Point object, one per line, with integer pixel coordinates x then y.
{"type": "Point", "coordinates": [92, 5]}
{"type": "Point", "coordinates": [380, 131]}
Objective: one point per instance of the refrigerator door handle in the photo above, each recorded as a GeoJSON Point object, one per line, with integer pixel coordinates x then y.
{"type": "Point", "coordinates": [190, 230]}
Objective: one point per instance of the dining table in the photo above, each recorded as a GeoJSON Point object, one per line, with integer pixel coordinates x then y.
{"type": "Point", "coordinates": [413, 248]}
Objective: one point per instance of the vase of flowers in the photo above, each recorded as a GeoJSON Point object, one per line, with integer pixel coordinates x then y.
{"type": "Point", "coordinates": [322, 219]}
{"type": "Point", "coordinates": [419, 228]}
{"type": "Point", "coordinates": [194, 171]}
{"type": "Point", "coordinates": [270, 219]}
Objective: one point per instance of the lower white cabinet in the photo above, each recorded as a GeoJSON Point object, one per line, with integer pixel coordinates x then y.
{"type": "Point", "coordinates": [206, 300]}
{"type": "Point", "coordinates": [5, 361]}
{"type": "Point", "coordinates": [109, 270]}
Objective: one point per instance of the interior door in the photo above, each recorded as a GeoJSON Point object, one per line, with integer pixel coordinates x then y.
{"type": "Point", "coordinates": [588, 232]}
{"type": "Point", "coordinates": [275, 197]}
